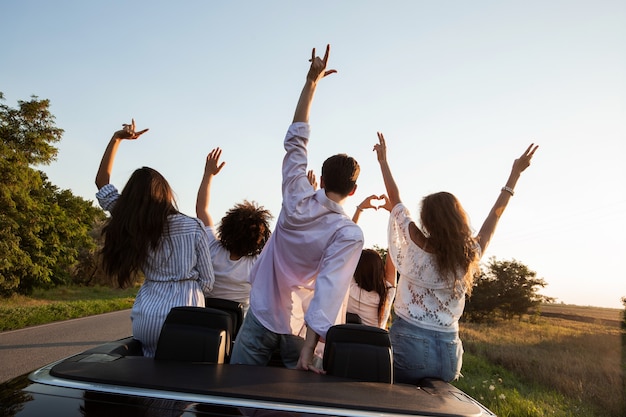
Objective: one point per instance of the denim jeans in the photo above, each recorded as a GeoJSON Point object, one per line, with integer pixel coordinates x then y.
{"type": "Point", "coordinates": [255, 344]}
{"type": "Point", "coordinates": [420, 353]}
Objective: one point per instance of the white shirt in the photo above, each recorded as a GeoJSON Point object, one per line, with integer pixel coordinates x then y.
{"type": "Point", "coordinates": [302, 276]}
{"type": "Point", "coordinates": [231, 277]}
{"type": "Point", "coordinates": [424, 297]}
{"type": "Point", "coordinates": [365, 304]}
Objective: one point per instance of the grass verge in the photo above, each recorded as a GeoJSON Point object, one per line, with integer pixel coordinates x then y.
{"type": "Point", "coordinates": [65, 303]}
{"type": "Point", "coordinates": [508, 395]}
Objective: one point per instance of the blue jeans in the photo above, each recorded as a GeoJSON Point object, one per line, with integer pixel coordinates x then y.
{"type": "Point", "coordinates": [420, 353]}
{"type": "Point", "coordinates": [255, 344]}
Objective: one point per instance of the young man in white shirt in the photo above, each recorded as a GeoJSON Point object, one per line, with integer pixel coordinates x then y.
{"type": "Point", "coordinates": [300, 280]}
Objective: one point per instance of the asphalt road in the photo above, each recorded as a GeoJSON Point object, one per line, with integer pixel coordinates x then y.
{"type": "Point", "coordinates": [27, 349]}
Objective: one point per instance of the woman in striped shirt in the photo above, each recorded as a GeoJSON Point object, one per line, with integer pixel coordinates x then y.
{"type": "Point", "coordinates": [146, 234]}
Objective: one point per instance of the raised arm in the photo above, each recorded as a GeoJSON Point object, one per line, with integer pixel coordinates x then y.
{"type": "Point", "coordinates": [390, 271]}
{"type": "Point", "coordinates": [211, 168]}
{"type": "Point", "coordinates": [317, 71]}
{"type": "Point", "coordinates": [489, 226]}
{"type": "Point", "coordinates": [393, 193]}
{"type": "Point", "coordinates": [103, 177]}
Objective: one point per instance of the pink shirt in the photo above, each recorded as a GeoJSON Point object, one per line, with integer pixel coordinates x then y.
{"type": "Point", "coordinates": [302, 276]}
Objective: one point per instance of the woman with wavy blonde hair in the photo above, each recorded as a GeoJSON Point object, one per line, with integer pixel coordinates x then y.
{"type": "Point", "coordinates": [437, 263]}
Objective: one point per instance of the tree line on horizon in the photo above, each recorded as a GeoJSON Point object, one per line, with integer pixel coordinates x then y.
{"type": "Point", "coordinates": [50, 237]}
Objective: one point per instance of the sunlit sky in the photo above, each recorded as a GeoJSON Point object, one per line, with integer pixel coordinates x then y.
{"type": "Point", "coordinates": [459, 88]}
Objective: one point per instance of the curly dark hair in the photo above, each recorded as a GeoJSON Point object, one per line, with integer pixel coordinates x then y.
{"type": "Point", "coordinates": [245, 228]}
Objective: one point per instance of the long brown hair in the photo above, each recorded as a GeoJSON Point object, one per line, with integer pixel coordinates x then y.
{"type": "Point", "coordinates": [370, 276]}
{"type": "Point", "coordinates": [447, 227]}
{"type": "Point", "coordinates": [137, 222]}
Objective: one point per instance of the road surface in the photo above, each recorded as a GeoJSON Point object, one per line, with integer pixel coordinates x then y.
{"type": "Point", "coordinates": [27, 349]}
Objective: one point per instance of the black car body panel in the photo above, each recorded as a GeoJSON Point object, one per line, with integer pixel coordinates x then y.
{"type": "Point", "coordinates": [115, 380]}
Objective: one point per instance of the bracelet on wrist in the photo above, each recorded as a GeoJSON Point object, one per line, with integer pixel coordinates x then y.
{"type": "Point", "coordinates": [358, 208]}
{"type": "Point", "coordinates": [508, 190]}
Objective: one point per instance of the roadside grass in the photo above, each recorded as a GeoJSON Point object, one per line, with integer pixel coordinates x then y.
{"type": "Point", "coordinates": [46, 306]}
{"type": "Point", "coordinates": [580, 361]}
{"type": "Point", "coordinates": [507, 395]}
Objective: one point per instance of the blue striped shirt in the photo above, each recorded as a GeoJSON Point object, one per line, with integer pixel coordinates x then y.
{"type": "Point", "coordinates": [178, 273]}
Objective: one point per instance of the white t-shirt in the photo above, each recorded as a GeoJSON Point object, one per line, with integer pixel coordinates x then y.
{"type": "Point", "coordinates": [231, 277]}
{"type": "Point", "coordinates": [365, 304]}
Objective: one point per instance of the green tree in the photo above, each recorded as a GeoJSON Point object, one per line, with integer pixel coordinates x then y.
{"type": "Point", "coordinates": [42, 229]}
{"type": "Point", "coordinates": [506, 289]}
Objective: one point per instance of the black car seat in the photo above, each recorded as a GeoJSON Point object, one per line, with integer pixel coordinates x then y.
{"type": "Point", "coordinates": [195, 334]}
{"type": "Point", "coordinates": [360, 352]}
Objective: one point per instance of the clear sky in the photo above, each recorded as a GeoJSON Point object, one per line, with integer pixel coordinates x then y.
{"type": "Point", "coordinates": [459, 88]}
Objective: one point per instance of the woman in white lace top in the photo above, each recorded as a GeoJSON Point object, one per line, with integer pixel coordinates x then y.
{"type": "Point", "coordinates": [437, 262]}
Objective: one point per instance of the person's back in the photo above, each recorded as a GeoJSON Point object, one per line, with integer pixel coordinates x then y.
{"type": "Point", "coordinates": [301, 279]}
{"type": "Point", "coordinates": [309, 227]}
{"type": "Point", "coordinates": [372, 289]}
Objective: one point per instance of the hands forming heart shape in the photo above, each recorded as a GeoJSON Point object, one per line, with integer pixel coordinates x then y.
{"type": "Point", "coordinates": [373, 201]}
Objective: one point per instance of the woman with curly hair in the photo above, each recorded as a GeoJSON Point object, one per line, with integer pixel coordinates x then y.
{"type": "Point", "coordinates": [437, 263]}
{"type": "Point", "coordinates": [146, 234]}
{"type": "Point", "coordinates": [238, 240]}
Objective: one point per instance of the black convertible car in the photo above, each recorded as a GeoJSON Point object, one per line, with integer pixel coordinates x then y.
{"type": "Point", "coordinates": [191, 376]}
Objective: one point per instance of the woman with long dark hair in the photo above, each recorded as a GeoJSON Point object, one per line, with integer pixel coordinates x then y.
{"type": "Point", "coordinates": [147, 236]}
{"type": "Point", "coordinates": [373, 289]}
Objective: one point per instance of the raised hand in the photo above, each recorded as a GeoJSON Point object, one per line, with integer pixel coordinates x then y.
{"type": "Point", "coordinates": [318, 66]}
{"type": "Point", "coordinates": [381, 148]}
{"type": "Point", "coordinates": [213, 165]}
{"type": "Point", "coordinates": [312, 179]}
{"type": "Point", "coordinates": [387, 206]}
{"type": "Point", "coordinates": [128, 131]}
{"type": "Point", "coordinates": [523, 162]}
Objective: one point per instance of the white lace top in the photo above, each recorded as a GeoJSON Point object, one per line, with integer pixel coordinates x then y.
{"type": "Point", "coordinates": [424, 298]}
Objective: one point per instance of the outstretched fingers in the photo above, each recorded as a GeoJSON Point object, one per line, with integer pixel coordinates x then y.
{"type": "Point", "coordinates": [530, 151]}
{"type": "Point", "coordinates": [318, 65]}
{"type": "Point", "coordinates": [129, 131]}
{"type": "Point", "coordinates": [523, 162]}
{"type": "Point", "coordinates": [213, 164]}
{"type": "Point", "coordinates": [325, 61]}
{"type": "Point", "coordinates": [381, 139]}
{"type": "Point", "coordinates": [380, 147]}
